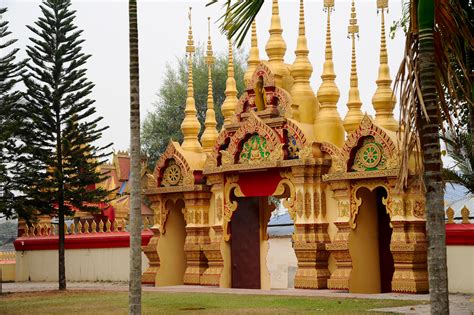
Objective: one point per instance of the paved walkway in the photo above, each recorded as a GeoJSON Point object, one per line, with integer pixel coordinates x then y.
{"type": "Point", "coordinates": [459, 304]}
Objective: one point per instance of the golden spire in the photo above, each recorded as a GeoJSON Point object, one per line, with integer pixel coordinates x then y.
{"type": "Point", "coordinates": [230, 102]}
{"type": "Point", "coordinates": [209, 136]}
{"type": "Point", "coordinates": [328, 123]}
{"type": "Point", "coordinates": [354, 115]}
{"type": "Point", "coordinates": [276, 46]}
{"type": "Point", "coordinates": [190, 126]}
{"type": "Point", "coordinates": [254, 56]}
{"type": "Point", "coordinates": [304, 102]}
{"type": "Point", "coordinates": [384, 98]}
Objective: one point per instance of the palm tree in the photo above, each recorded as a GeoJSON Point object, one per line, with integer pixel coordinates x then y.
{"type": "Point", "coordinates": [434, 67]}
{"type": "Point", "coordinates": [135, 289]}
{"type": "Point", "coordinates": [459, 148]}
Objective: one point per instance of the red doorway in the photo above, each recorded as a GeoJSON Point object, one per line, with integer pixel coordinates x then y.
{"type": "Point", "coordinates": [245, 244]}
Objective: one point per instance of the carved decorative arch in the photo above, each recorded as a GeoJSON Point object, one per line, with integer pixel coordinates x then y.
{"type": "Point", "coordinates": [368, 128]}
{"type": "Point", "coordinates": [338, 160]}
{"type": "Point", "coordinates": [263, 70]}
{"type": "Point", "coordinates": [284, 102]}
{"type": "Point", "coordinates": [297, 134]}
{"type": "Point", "coordinates": [240, 107]}
{"type": "Point", "coordinates": [285, 188]}
{"type": "Point", "coordinates": [356, 202]}
{"type": "Point", "coordinates": [253, 125]}
{"type": "Point", "coordinates": [171, 153]}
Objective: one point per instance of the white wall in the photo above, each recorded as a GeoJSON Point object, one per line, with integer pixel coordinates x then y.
{"type": "Point", "coordinates": [460, 268]}
{"type": "Point", "coordinates": [281, 263]}
{"type": "Point", "coordinates": [93, 264]}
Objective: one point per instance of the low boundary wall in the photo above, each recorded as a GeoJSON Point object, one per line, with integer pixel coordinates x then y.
{"type": "Point", "coordinates": [102, 256]}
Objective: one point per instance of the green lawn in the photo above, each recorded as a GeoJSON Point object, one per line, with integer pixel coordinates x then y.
{"type": "Point", "coordinates": [100, 302]}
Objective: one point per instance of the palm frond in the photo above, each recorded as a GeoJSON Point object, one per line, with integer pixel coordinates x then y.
{"type": "Point", "coordinates": [238, 17]}
{"type": "Point", "coordinates": [452, 37]}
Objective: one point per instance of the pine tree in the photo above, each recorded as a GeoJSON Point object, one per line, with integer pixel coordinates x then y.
{"type": "Point", "coordinates": [58, 167]}
{"type": "Point", "coordinates": [10, 75]}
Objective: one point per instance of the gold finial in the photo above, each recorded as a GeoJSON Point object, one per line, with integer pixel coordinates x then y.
{"type": "Point", "coordinates": [276, 46]}
{"type": "Point", "coordinates": [190, 126]}
{"type": "Point", "coordinates": [304, 105]}
{"type": "Point", "coordinates": [384, 98]}
{"type": "Point", "coordinates": [354, 115]}
{"type": "Point", "coordinates": [465, 215]}
{"type": "Point", "coordinates": [254, 56]}
{"type": "Point", "coordinates": [230, 102]}
{"type": "Point", "coordinates": [450, 215]}
{"type": "Point", "coordinates": [328, 123]}
{"type": "Point", "coordinates": [209, 136]}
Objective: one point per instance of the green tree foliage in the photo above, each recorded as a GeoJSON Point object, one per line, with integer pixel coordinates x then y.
{"type": "Point", "coordinates": [164, 123]}
{"type": "Point", "coordinates": [10, 74]}
{"type": "Point", "coordinates": [57, 170]}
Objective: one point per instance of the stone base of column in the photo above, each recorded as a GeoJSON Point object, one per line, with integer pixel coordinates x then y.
{"type": "Point", "coordinates": [196, 261]}
{"type": "Point", "coordinates": [212, 251]}
{"type": "Point", "coordinates": [409, 248]}
{"type": "Point", "coordinates": [310, 249]}
{"type": "Point", "coordinates": [339, 248]}
{"type": "Point", "coordinates": [151, 252]}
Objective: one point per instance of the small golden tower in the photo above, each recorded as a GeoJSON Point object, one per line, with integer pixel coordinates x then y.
{"type": "Point", "coordinates": [276, 46]}
{"type": "Point", "coordinates": [209, 135]}
{"type": "Point", "coordinates": [304, 106]}
{"type": "Point", "coordinates": [230, 102]}
{"type": "Point", "coordinates": [254, 56]}
{"type": "Point", "coordinates": [190, 126]}
{"type": "Point", "coordinates": [354, 115]}
{"type": "Point", "coordinates": [328, 123]}
{"type": "Point", "coordinates": [384, 98]}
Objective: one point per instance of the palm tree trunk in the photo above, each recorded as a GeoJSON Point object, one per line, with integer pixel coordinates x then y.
{"type": "Point", "coordinates": [429, 135]}
{"type": "Point", "coordinates": [135, 289]}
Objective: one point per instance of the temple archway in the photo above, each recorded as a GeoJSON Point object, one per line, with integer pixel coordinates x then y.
{"type": "Point", "coordinates": [171, 245]}
{"type": "Point", "coordinates": [369, 244]}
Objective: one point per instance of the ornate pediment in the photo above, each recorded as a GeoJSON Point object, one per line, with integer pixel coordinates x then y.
{"type": "Point", "coordinates": [368, 152]}
{"type": "Point", "coordinates": [172, 169]}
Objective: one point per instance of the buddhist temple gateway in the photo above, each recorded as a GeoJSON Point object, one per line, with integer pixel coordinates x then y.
{"type": "Point", "coordinates": [210, 196]}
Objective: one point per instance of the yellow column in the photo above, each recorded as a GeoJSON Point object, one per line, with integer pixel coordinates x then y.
{"type": "Point", "coordinates": [190, 126]}
{"type": "Point", "coordinates": [354, 115]}
{"type": "Point", "coordinates": [209, 135]}
{"type": "Point", "coordinates": [384, 98]}
{"type": "Point", "coordinates": [230, 102]}
{"type": "Point", "coordinates": [254, 56]}
{"type": "Point", "coordinates": [305, 105]}
{"type": "Point", "coordinates": [328, 123]}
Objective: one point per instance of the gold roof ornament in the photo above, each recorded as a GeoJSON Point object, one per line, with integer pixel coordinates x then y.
{"type": "Point", "coordinates": [384, 98]}
{"type": "Point", "coordinates": [190, 126]}
{"type": "Point", "coordinates": [254, 56]}
{"type": "Point", "coordinates": [304, 105]}
{"type": "Point", "coordinates": [276, 46]}
{"type": "Point", "coordinates": [328, 123]}
{"type": "Point", "coordinates": [230, 102]}
{"type": "Point", "coordinates": [209, 136]}
{"type": "Point", "coordinates": [354, 115]}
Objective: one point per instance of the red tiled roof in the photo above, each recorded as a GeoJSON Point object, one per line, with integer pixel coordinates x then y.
{"type": "Point", "coordinates": [124, 165]}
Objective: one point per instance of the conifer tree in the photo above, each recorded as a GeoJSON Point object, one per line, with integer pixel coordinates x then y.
{"type": "Point", "coordinates": [59, 160]}
{"type": "Point", "coordinates": [10, 75]}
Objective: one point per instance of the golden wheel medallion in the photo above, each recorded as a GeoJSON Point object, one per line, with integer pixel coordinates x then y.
{"type": "Point", "coordinates": [370, 155]}
{"type": "Point", "coordinates": [173, 174]}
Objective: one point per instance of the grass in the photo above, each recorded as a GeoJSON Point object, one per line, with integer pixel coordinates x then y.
{"type": "Point", "coordinates": [106, 302]}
